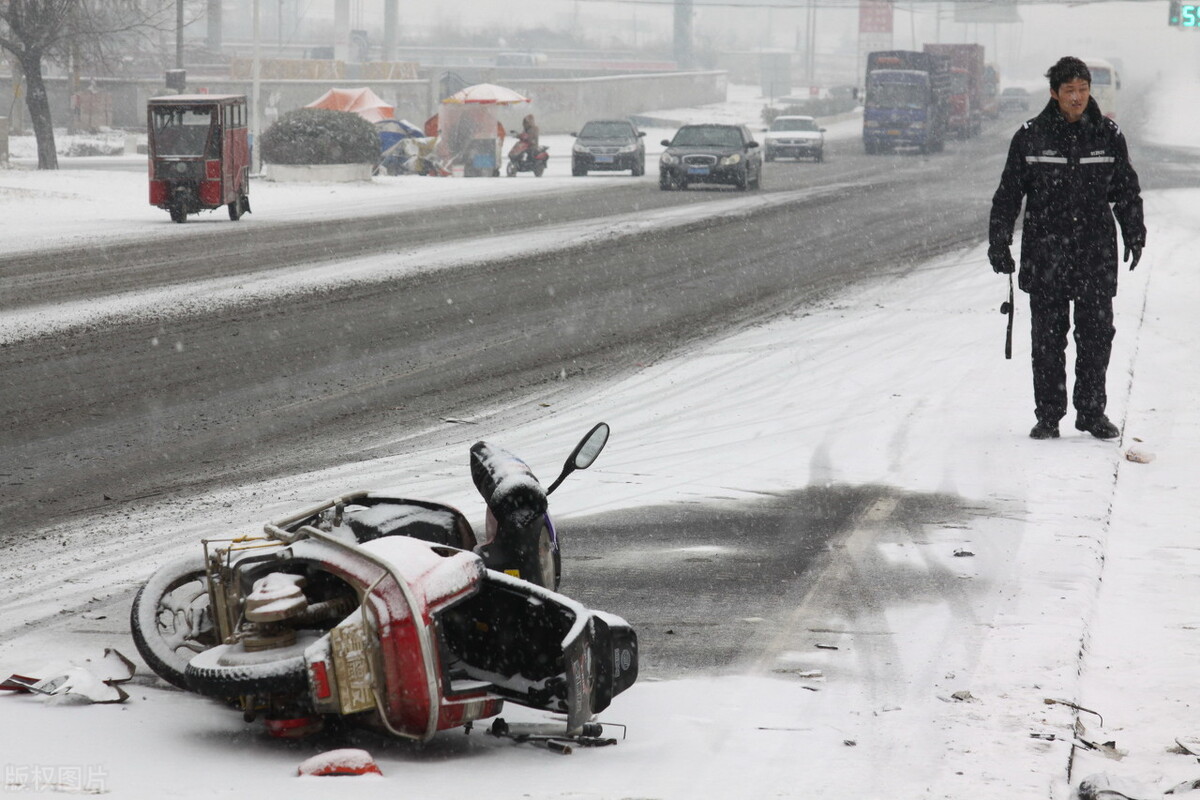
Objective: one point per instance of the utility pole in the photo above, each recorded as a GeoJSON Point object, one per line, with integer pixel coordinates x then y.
{"type": "Point", "coordinates": [391, 21]}
{"type": "Point", "coordinates": [255, 114]}
{"type": "Point", "coordinates": [178, 34]}
{"type": "Point", "coordinates": [683, 34]}
{"type": "Point", "coordinates": [213, 18]}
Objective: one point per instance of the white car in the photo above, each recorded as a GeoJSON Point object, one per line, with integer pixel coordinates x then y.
{"type": "Point", "coordinates": [794, 137]}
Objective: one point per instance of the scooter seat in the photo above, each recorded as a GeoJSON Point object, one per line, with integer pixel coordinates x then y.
{"type": "Point", "coordinates": [507, 485]}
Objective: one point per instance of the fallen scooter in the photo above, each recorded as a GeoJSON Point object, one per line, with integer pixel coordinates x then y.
{"type": "Point", "coordinates": [387, 612]}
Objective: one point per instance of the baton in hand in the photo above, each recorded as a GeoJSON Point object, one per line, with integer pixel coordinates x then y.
{"type": "Point", "coordinates": [1007, 308]}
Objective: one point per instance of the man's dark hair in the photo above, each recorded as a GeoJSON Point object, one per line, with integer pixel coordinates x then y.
{"type": "Point", "coordinates": [1066, 70]}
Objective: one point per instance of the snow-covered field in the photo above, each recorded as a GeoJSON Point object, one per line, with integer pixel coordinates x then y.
{"type": "Point", "coordinates": [1074, 580]}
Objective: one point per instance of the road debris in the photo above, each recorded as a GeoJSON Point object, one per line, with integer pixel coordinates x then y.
{"type": "Point", "coordinates": [92, 681]}
{"type": "Point", "coordinates": [1050, 701]}
{"type": "Point", "coordinates": [346, 761]}
{"type": "Point", "coordinates": [1139, 456]}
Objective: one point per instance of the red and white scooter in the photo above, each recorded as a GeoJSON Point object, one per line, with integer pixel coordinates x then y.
{"type": "Point", "coordinates": [524, 158]}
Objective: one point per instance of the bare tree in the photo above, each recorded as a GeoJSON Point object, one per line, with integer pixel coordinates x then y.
{"type": "Point", "coordinates": [37, 31]}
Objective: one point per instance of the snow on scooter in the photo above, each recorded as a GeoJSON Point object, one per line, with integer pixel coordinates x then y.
{"type": "Point", "coordinates": [387, 612]}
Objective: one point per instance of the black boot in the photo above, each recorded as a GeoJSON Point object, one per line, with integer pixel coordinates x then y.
{"type": "Point", "coordinates": [1044, 430]}
{"type": "Point", "coordinates": [1098, 426]}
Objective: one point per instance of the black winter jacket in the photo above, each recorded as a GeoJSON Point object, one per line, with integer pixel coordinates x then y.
{"type": "Point", "coordinates": [1068, 174]}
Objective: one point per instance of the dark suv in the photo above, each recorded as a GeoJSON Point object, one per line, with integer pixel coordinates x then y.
{"type": "Point", "coordinates": [711, 153]}
{"type": "Point", "coordinates": [608, 144]}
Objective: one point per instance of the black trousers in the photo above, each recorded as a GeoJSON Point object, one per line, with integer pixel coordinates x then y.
{"type": "Point", "coordinates": [1094, 333]}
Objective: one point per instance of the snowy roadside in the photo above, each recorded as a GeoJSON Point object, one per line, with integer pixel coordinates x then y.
{"type": "Point", "coordinates": [1046, 571]}
{"type": "Point", "coordinates": [929, 408]}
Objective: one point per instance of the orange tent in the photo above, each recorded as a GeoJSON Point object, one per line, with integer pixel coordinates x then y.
{"type": "Point", "coordinates": [363, 102]}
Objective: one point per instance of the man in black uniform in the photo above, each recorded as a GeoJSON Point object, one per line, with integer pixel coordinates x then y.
{"type": "Point", "coordinates": [1069, 163]}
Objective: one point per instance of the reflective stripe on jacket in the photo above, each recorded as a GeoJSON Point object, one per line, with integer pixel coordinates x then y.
{"type": "Point", "coordinates": [1068, 175]}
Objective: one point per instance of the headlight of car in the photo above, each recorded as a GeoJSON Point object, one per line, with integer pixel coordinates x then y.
{"type": "Point", "coordinates": [578, 148]}
{"type": "Point", "coordinates": [668, 159]}
{"type": "Point", "coordinates": [629, 148]}
{"type": "Point", "coordinates": [729, 161]}
{"type": "Point", "coordinates": [871, 123]}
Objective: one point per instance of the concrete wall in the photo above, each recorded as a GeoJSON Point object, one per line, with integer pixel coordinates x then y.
{"type": "Point", "coordinates": [561, 105]}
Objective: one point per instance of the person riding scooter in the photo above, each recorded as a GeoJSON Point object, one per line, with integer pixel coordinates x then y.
{"type": "Point", "coordinates": [527, 140]}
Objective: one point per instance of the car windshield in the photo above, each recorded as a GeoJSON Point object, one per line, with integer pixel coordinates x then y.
{"type": "Point", "coordinates": [707, 136]}
{"type": "Point", "coordinates": [607, 130]}
{"type": "Point", "coordinates": [793, 125]}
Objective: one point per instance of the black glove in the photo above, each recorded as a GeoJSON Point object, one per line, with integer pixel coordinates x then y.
{"type": "Point", "coordinates": [1001, 258]}
{"type": "Point", "coordinates": [1134, 250]}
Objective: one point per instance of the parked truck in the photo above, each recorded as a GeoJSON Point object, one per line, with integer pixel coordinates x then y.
{"type": "Point", "coordinates": [967, 59]}
{"type": "Point", "coordinates": [907, 101]}
{"type": "Point", "coordinates": [991, 91]}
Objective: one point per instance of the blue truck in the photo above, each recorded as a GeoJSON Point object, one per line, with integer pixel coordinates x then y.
{"type": "Point", "coordinates": [907, 101]}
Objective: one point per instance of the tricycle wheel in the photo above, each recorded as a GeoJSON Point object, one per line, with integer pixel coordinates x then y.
{"type": "Point", "coordinates": [178, 213]}
{"type": "Point", "coordinates": [236, 210]}
{"type": "Point", "coordinates": [171, 619]}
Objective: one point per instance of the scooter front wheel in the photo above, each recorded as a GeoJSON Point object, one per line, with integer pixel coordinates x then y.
{"type": "Point", "coordinates": [539, 559]}
{"type": "Point", "coordinates": [511, 170]}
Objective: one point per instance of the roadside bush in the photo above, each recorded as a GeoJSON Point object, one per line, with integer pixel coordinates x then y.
{"type": "Point", "coordinates": [320, 136]}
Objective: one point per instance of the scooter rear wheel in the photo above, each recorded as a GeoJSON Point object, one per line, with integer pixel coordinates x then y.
{"type": "Point", "coordinates": [231, 671]}
{"type": "Point", "coordinates": [171, 619]}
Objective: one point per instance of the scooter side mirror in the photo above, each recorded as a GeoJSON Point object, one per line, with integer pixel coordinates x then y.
{"type": "Point", "coordinates": [584, 454]}
{"type": "Point", "coordinates": [589, 447]}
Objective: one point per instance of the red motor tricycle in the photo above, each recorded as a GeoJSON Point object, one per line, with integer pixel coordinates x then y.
{"type": "Point", "coordinates": [199, 154]}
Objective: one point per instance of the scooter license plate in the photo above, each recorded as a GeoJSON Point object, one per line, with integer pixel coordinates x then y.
{"type": "Point", "coordinates": [697, 170]}
{"type": "Point", "coordinates": [604, 159]}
